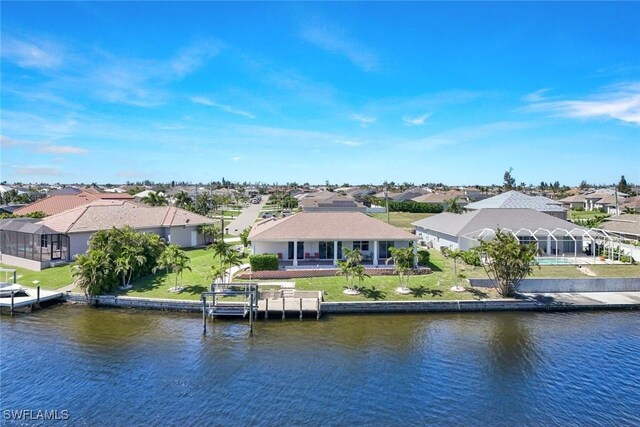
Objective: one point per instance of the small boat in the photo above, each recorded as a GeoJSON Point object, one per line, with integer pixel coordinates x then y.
{"type": "Point", "coordinates": [7, 288]}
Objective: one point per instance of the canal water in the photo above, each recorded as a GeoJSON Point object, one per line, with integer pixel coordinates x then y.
{"type": "Point", "coordinates": [123, 367]}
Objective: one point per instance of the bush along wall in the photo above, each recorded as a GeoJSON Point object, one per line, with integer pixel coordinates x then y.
{"type": "Point", "coordinates": [263, 262]}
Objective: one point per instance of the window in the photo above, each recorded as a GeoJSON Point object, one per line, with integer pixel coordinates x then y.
{"type": "Point", "coordinates": [383, 249]}
{"type": "Point", "coordinates": [361, 245]}
{"type": "Point", "coordinates": [44, 241]}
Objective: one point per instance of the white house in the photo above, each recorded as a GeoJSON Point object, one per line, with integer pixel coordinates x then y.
{"type": "Point", "coordinates": [463, 231]}
{"type": "Point", "coordinates": [321, 237]}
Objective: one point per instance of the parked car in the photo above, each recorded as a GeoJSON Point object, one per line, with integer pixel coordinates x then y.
{"type": "Point", "coordinates": [267, 215]}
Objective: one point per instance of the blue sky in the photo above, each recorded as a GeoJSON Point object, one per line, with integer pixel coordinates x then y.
{"type": "Point", "coordinates": [309, 92]}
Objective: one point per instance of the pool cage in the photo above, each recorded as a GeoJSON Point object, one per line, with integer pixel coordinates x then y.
{"type": "Point", "coordinates": [25, 238]}
{"type": "Point", "coordinates": [582, 245]}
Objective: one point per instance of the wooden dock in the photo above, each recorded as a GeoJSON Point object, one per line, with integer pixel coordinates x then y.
{"type": "Point", "coordinates": [28, 298]}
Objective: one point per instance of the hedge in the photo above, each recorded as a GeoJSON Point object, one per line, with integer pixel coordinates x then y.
{"type": "Point", "coordinates": [263, 262]}
{"type": "Point", "coordinates": [408, 206]}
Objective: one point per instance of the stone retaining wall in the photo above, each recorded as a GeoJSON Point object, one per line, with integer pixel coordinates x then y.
{"type": "Point", "coordinates": [135, 302]}
{"type": "Point", "coordinates": [600, 284]}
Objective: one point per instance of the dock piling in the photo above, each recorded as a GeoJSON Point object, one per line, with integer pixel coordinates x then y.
{"type": "Point", "coordinates": [38, 296]}
{"type": "Point", "coordinates": [204, 314]}
{"type": "Point", "coordinates": [318, 310]}
{"type": "Point", "coordinates": [12, 293]}
{"type": "Point", "coordinates": [283, 308]}
{"type": "Point", "coordinates": [300, 309]}
{"type": "Point", "coordinates": [266, 308]}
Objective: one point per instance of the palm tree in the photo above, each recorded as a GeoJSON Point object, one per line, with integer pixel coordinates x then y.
{"type": "Point", "coordinates": [175, 260]}
{"type": "Point", "coordinates": [345, 269]}
{"type": "Point", "coordinates": [453, 206]}
{"type": "Point", "coordinates": [221, 249]}
{"type": "Point", "coordinates": [352, 256]}
{"type": "Point", "coordinates": [92, 273]}
{"type": "Point", "coordinates": [455, 255]}
{"type": "Point", "coordinates": [128, 260]}
{"type": "Point", "coordinates": [402, 264]}
{"type": "Point", "coordinates": [155, 199]}
{"type": "Point", "coordinates": [182, 199]}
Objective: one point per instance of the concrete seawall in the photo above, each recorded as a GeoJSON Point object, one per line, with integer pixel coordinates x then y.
{"type": "Point", "coordinates": [599, 284]}
{"type": "Point", "coordinates": [135, 302]}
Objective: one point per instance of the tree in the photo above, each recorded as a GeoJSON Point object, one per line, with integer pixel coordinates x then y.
{"type": "Point", "coordinates": [454, 207]}
{"type": "Point", "coordinates": [403, 259]}
{"type": "Point", "coordinates": [93, 274]}
{"type": "Point", "coordinates": [350, 268]}
{"type": "Point", "coordinates": [175, 260]}
{"type": "Point", "coordinates": [507, 261]}
{"type": "Point", "coordinates": [584, 185]}
{"type": "Point", "coordinates": [455, 255]}
{"type": "Point", "coordinates": [182, 199]}
{"type": "Point", "coordinates": [509, 181]}
{"type": "Point", "coordinates": [211, 231]}
{"type": "Point", "coordinates": [155, 199]}
{"type": "Point", "coordinates": [128, 260]}
{"type": "Point", "coordinates": [221, 249]}
{"type": "Point", "coordinates": [244, 237]}
{"type": "Point", "coordinates": [623, 187]}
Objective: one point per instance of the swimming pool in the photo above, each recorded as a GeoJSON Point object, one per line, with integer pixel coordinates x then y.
{"type": "Point", "coordinates": [554, 261]}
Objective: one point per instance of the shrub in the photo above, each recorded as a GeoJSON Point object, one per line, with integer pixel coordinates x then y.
{"type": "Point", "coordinates": [471, 257]}
{"type": "Point", "coordinates": [578, 209]}
{"type": "Point", "coordinates": [263, 262]}
{"type": "Point", "coordinates": [423, 258]}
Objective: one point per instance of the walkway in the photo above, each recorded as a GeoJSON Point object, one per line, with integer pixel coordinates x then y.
{"type": "Point", "coordinates": [247, 218]}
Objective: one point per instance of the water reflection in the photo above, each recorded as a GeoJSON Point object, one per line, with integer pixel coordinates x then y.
{"type": "Point", "coordinates": [511, 345]}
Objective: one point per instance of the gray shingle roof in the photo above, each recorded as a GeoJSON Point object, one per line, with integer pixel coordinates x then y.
{"type": "Point", "coordinates": [516, 200]}
{"type": "Point", "coordinates": [510, 219]}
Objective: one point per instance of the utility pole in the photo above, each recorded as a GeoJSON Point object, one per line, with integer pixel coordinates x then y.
{"type": "Point", "coordinates": [386, 198]}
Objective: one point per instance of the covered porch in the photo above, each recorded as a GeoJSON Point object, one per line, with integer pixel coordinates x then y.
{"type": "Point", "coordinates": [25, 243]}
{"type": "Point", "coordinates": [310, 254]}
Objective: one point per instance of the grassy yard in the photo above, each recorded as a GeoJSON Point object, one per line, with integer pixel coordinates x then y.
{"type": "Point", "coordinates": [50, 278]}
{"type": "Point", "coordinates": [195, 281]}
{"type": "Point", "coordinates": [586, 214]}
{"type": "Point", "coordinates": [401, 219]}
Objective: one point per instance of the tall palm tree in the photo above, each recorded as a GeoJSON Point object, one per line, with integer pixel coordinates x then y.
{"type": "Point", "coordinates": [402, 264]}
{"type": "Point", "coordinates": [455, 255]}
{"type": "Point", "coordinates": [92, 273]}
{"type": "Point", "coordinates": [175, 260]}
{"type": "Point", "coordinates": [182, 199]}
{"type": "Point", "coordinates": [155, 199]}
{"type": "Point", "coordinates": [128, 260]}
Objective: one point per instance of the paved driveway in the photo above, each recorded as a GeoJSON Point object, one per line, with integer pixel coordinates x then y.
{"type": "Point", "coordinates": [246, 219]}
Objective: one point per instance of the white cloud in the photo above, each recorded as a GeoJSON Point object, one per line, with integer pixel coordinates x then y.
{"type": "Point", "coordinates": [41, 147]}
{"type": "Point", "coordinates": [416, 121]}
{"type": "Point", "coordinates": [348, 142]}
{"type": "Point", "coordinates": [62, 149]}
{"type": "Point", "coordinates": [536, 96]}
{"type": "Point", "coordinates": [335, 40]}
{"type": "Point", "coordinates": [236, 158]}
{"type": "Point", "coordinates": [620, 102]}
{"type": "Point", "coordinates": [208, 102]}
{"type": "Point", "coordinates": [36, 170]}
{"type": "Point", "coordinates": [364, 120]}
{"type": "Point", "coordinates": [193, 57]}
{"type": "Point", "coordinates": [31, 54]}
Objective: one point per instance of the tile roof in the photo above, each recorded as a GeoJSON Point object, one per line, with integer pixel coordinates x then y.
{"type": "Point", "coordinates": [326, 226]}
{"type": "Point", "coordinates": [493, 218]}
{"type": "Point", "coordinates": [436, 198]}
{"type": "Point", "coordinates": [516, 200]}
{"type": "Point", "coordinates": [104, 214]}
{"type": "Point", "coordinates": [59, 203]}
{"type": "Point", "coordinates": [624, 224]}
{"type": "Point", "coordinates": [25, 225]}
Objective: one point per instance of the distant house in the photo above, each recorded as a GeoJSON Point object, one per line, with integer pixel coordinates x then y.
{"type": "Point", "coordinates": [517, 200]}
{"type": "Point", "coordinates": [329, 201]}
{"type": "Point", "coordinates": [64, 191]}
{"type": "Point", "coordinates": [440, 199]}
{"type": "Point", "coordinates": [59, 203]}
{"type": "Point", "coordinates": [68, 232]}
{"type": "Point", "coordinates": [574, 202]}
{"type": "Point", "coordinates": [462, 231]}
{"type": "Point", "coordinates": [627, 226]}
{"type": "Point", "coordinates": [322, 236]}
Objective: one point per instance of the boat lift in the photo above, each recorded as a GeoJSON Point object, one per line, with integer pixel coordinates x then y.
{"type": "Point", "coordinates": [241, 301]}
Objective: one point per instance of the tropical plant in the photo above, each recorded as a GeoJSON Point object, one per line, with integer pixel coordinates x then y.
{"type": "Point", "coordinates": [182, 199]}
{"type": "Point", "coordinates": [155, 199]}
{"type": "Point", "coordinates": [507, 261]}
{"type": "Point", "coordinates": [455, 255]}
{"type": "Point", "coordinates": [128, 260]}
{"type": "Point", "coordinates": [403, 262]}
{"type": "Point", "coordinates": [454, 207]}
{"type": "Point", "coordinates": [244, 237]}
{"type": "Point", "coordinates": [175, 260]}
{"type": "Point", "coordinates": [210, 231]}
{"type": "Point", "coordinates": [93, 274]}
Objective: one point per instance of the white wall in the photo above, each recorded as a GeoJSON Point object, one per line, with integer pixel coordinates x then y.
{"type": "Point", "coordinates": [271, 248]}
{"type": "Point", "coordinates": [437, 240]}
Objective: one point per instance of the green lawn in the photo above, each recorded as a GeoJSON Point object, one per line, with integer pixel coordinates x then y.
{"type": "Point", "coordinates": [50, 278]}
{"type": "Point", "coordinates": [586, 214]}
{"type": "Point", "coordinates": [401, 219]}
{"type": "Point", "coordinates": [195, 281]}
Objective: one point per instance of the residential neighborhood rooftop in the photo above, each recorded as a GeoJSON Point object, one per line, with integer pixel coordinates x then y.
{"type": "Point", "coordinates": [517, 200]}
{"type": "Point", "coordinates": [327, 225]}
